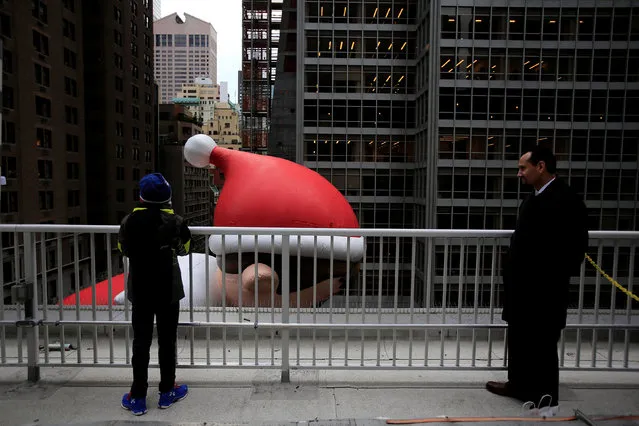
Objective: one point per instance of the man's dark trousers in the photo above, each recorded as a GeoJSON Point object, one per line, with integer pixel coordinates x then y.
{"type": "Point", "coordinates": [533, 364]}
{"type": "Point", "coordinates": [142, 320]}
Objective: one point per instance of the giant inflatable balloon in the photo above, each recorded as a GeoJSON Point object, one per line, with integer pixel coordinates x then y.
{"type": "Point", "coordinates": [266, 192]}
{"type": "Point", "coordinates": [270, 192]}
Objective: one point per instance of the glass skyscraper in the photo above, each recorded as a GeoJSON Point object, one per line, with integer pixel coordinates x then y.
{"type": "Point", "coordinates": [417, 111]}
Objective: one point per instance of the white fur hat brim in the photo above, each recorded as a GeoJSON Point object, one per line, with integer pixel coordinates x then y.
{"type": "Point", "coordinates": [306, 246]}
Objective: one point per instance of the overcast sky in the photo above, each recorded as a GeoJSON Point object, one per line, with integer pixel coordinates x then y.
{"type": "Point", "coordinates": [226, 18]}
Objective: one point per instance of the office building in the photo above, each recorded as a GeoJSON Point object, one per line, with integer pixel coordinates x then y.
{"type": "Point", "coordinates": [224, 128]}
{"type": "Point", "coordinates": [184, 50]}
{"type": "Point", "coordinates": [418, 112]}
{"type": "Point", "coordinates": [206, 95]}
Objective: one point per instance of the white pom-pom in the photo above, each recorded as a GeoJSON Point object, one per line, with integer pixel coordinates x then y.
{"type": "Point", "coordinates": [197, 150]}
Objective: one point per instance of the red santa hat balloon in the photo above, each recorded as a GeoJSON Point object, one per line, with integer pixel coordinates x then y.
{"type": "Point", "coordinates": [270, 192]}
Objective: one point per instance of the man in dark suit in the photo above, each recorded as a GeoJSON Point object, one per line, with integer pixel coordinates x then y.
{"type": "Point", "coordinates": [546, 250]}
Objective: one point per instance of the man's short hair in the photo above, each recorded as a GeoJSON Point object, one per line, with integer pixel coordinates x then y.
{"type": "Point", "coordinates": [541, 153]}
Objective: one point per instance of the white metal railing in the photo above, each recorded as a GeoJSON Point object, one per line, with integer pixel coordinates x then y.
{"type": "Point", "coordinates": [418, 299]}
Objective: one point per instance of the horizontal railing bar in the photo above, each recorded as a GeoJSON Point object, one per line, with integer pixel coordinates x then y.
{"type": "Point", "coordinates": [327, 367]}
{"type": "Point", "coordinates": [355, 232]}
{"type": "Point", "coordinates": [152, 365]}
{"type": "Point", "coordinates": [369, 326]}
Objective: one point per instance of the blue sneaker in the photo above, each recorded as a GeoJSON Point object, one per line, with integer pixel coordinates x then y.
{"type": "Point", "coordinates": [137, 406]}
{"type": "Point", "coordinates": [176, 394]}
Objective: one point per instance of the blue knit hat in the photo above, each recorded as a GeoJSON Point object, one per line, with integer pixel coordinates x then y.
{"type": "Point", "coordinates": [155, 189]}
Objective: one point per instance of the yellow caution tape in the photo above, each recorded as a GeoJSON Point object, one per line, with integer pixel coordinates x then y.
{"type": "Point", "coordinates": [609, 278]}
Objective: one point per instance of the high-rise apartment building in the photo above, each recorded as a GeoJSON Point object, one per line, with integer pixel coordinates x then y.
{"type": "Point", "coordinates": [43, 129]}
{"type": "Point", "coordinates": [120, 110]}
{"type": "Point", "coordinates": [184, 50]}
{"type": "Point", "coordinates": [119, 104]}
{"type": "Point", "coordinates": [43, 134]}
{"type": "Point", "coordinates": [75, 71]}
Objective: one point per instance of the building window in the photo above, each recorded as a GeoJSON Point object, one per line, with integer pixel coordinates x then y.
{"type": "Point", "coordinates": [70, 87]}
{"type": "Point", "coordinates": [117, 15]}
{"type": "Point", "coordinates": [72, 143]}
{"type": "Point", "coordinates": [119, 129]}
{"type": "Point", "coordinates": [70, 59]}
{"type": "Point", "coordinates": [73, 198]}
{"type": "Point", "coordinates": [42, 75]}
{"type": "Point", "coordinates": [75, 220]}
{"type": "Point", "coordinates": [7, 61]}
{"type": "Point", "coordinates": [8, 132]}
{"type": "Point", "coordinates": [119, 151]}
{"type": "Point", "coordinates": [117, 59]}
{"type": "Point", "coordinates": [147, 156]}
{"type": "Point", "coordinates": [119, 84]}
{"type": "Point", "coordinates": [119, 195]}
{"type": "Point", "coordinates": [45, 169]}
{"type": "Point", "coordinates": [9, 202]}
{"type": "Point", "coordinates": [117, 36]}
{"type": "Point", "coordinates": [73, 171]}
{"type": "Point", "coordinates": [134, 28]}
{"type": "Point", "coordinates": [7, 97]}
{"type": "Point", "coordinates": [9, 167]}
{"type": "Point", "coordinates": [43, 107]}
{"type": "Point", "coordinates": [135, 133]}
{"type": "Point", "coordinates": [147, 137]}
{"type": "Point", "coordinates": [135, 111]}
{"type": "Point", "coordinates": [136, 194]}
{"type": "Point", "coordinates": [69, 4]}
{"type": "Point", "coordinates": [45, 199]}
{"type": "Point", "coordinates": [5, 25]}
{"type": "Point", "coordinates": [68, 29]}
{"type": "Point", "coordinates": [136, 154]}
{"type": "Point", "coordinates": [39, 10]}
{"type": "Point", "coordinates": [180, 40]}
{"type": "Point", "coordinates": [136, 174]}
{"type": "Point", "coordinates": [41, 43]}
{"type": "Point", "coordinates": [119, 106]}
{"type": "Point", "coordinates": [119, 173]}
{"type": "Point", "coordinates": [43, 138]}
{"type": "Point", "coordinates": [71, 115]}
{"type": "Point", "coordinates": [135, 92]}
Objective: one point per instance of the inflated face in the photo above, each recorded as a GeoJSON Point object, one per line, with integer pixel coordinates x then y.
{"type": "Point", "coordinates": [261, 277]}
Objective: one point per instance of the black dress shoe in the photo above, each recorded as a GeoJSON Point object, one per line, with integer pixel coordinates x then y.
{"type": "Point", "coordinates": [501, 389]}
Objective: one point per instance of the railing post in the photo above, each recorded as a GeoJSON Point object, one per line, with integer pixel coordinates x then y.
{"type": "Point", "coordinates": [31, 308]}
{"type": "Point", "coordinates": [286, 295]}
